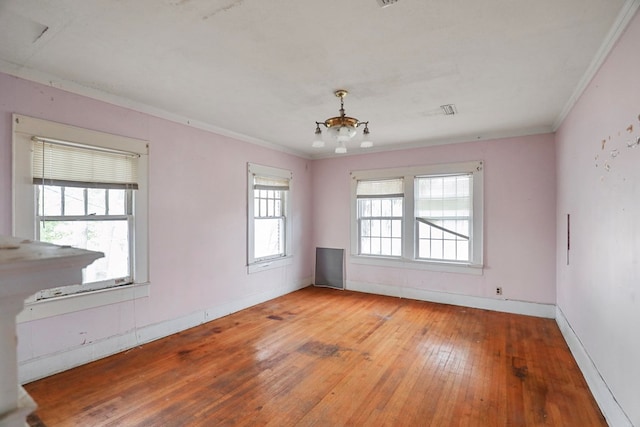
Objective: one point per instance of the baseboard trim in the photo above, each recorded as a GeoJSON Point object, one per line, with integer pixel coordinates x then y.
{"type": "Point", "coordinates": [502, 305]}
{"type": "Point", "coordinates": [44, 366]}
{"type": "Point", "coordinates": [607, 402]}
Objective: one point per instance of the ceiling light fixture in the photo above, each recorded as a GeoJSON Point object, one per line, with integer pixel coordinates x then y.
{"type": "Point", "coordinates": [342, 128]}
{"type": "Point", "coordinates": [449, 109]}
{"type": "Point", "coordinates": [385, 3]}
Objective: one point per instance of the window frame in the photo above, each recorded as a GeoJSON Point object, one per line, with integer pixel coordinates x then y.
{"type": "Point", "coordinates": [265, 263]}
{"type": "Point", "coordinates": [409, 258]}
{"type": "Point", "coordinates": [25, 218]}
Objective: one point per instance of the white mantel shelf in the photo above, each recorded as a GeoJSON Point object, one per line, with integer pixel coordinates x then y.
{"type": "Point", "coordinates": [27, 267]}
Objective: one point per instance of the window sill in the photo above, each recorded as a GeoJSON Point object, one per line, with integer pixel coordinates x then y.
{"type": "Point", "coordinates": [474, 269]}
{"type": "Point", "coordinates": [269, 264]}
{"type": "Point", "coordinates": [70, 303]}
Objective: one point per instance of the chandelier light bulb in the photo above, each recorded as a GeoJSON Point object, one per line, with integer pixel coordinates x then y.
{"type": "Point", "coordinates": [345, 133]}
{"type": "Point", "coordinates": [366, 139]}
{"type": "Point", "coordinates": [318, 142]}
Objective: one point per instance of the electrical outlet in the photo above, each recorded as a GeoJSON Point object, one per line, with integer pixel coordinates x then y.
{"type": "Point", "coordinates": [499, 290]}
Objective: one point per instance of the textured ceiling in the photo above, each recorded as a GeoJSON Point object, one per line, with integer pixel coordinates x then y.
{"type": "Point", "coordinates": [265, 71]}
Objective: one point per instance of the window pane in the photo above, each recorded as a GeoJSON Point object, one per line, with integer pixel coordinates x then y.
{"type": "Point", "coordinates": [396, 247]}
{"type": "Point", "coordinates": [376, 207]}
{"type": "Point", "coordinates": [109, 237]}
{"type": "Point", "coordinates": [424, 248]}
{"type": "Point", "coordinates": [270, 207]}
{"type": "Point", "coordinates": [375, 246]}
{"type": "Point", "coordinates": [375, 227]}
{"type": "Point", "coordinates": [386, 207]}
{"type": "Point", "coordinates": [74, 201]}
{"type": "Point", "coordinates": [365, 245]}
{"type": "Point", "coordinates": [449, 247]}
{"type": "Point", "coordinates": [397, 207]}
{"type": "Point", "coordinates": [268, 237]}
{"type": "Point", "coordinates": [365, 208]}
{"type": "Point", "coordinates": [396, 228]}
{"type": "Point", "coordinates": [436, 233]}
{"type": "Point", "coordinates": [385, 228]}
{"type": "Point", "coordinates": [436, 249]}
{"type": "Point", "coordinates": [385, 246]}
{"type": "Point", "coordinates": [117, 202]}
{"type": "Point", "coordinates": [96, 201]}
{"type": "Point", "coordinates": [50, 200]}
{"type": "Point", "coordinates": [365, 227]}
{"type": "Point", "coordinates": [463, 250]}
{"type": "Point", "coordinates": [263, 207]}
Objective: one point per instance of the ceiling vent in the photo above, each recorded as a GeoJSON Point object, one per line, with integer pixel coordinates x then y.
{"type": "Point", "coordinates": [385, 3]}
{"type": "Point", "coordinates": [449, 109]}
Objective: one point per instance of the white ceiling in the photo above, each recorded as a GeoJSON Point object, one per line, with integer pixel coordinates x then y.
{"type": "Point", "coordinates": [265, 71]}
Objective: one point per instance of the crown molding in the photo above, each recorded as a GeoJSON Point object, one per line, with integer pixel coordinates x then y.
{"type": "Point", "coordinates": [50, 80]}
{"type": "Point", "coordinates": [627, 12]}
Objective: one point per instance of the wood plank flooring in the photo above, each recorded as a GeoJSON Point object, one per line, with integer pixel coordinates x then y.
{"type": "Point", "coordinates": [322, 357]}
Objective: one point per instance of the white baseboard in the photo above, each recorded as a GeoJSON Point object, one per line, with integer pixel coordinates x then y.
{"type": "Point", "coordinates": [610, 408]}
{"type": "Point", "coordinates": [34, 369]}
{"type": "Point", "coordinates": [502, 305]}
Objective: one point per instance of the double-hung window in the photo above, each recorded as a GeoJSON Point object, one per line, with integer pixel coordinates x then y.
{"type": "Point", "coordinates": [424, 217]}
{"type": "Point", "coordinates": [443, 208]}
{"type": "Point", "coordinates": [380, 216]}
{"type": "Point", "coordinates": [269, 225]}
{"type": "Point", "coordinates": [84, 198]}
{"type": "Point", "coordinates": [83, 189]}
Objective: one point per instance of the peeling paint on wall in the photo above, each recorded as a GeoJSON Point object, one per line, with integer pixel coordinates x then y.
{"type": "Point", "coordinates": [614, 151]}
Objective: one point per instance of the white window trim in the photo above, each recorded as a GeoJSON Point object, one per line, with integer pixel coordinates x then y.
{"type": "Point", "coordinates": [254, 265]}
{"type": "Point", "coordinates": [408, 259]}
{"type": "Point", "coordinates": [23, 204]}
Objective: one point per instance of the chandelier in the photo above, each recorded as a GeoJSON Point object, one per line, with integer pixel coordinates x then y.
{"type": "Point", "coordinates": [342, 128]}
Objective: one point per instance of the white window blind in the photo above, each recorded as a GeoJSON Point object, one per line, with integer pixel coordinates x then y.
{"type": "Point", "coordinates": [270, 183]}
{"type": "Point", "coordinates": [71, 164]}
{"type": "Point", "coordinates": [444, 196]}
{"type": "Point", "coordinates": [380, 188]}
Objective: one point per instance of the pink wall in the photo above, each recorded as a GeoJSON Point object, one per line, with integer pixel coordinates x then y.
{"type": "Point", "coordinates": [599, 291]}
{"type": "Point", "coordinates": [519, 216]}
{"type": "Point", "coordinates": [198, 226]}
{"type": "Point", "coordinates": [197, 220]}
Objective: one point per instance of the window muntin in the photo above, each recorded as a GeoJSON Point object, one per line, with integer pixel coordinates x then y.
{"type": "Point", "coordinates": [441, 220]}
{"type": "Point", "coordinates": [269, 225]}
{"type": "Point", "coordinates": [443, 216]}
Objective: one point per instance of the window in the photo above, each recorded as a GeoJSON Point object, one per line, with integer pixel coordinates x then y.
{"type": "Point", "coordinates": [269, 234]}
{"type": "Point", "coordinates": [443, 207]}
{"type": "Point", "coordinates": [380, 217]}
{"type": "Point", "coordinates": [428, 217]}
{"type": "Point", "coordinates": [85, 189]}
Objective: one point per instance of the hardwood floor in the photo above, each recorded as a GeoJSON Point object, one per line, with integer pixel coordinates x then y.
{"type": "Point", "coordinates": [323, 357]}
